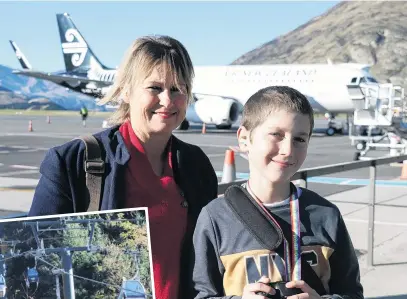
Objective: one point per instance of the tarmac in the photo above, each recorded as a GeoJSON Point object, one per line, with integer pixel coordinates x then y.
{"type": "Point", "coordinates": [387, 278]}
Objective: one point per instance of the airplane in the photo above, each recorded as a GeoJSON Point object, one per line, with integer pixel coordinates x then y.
{"type": "Point", "coordinates": [86, 74]}
{"type": "Point", "coordinates": [219, 91]}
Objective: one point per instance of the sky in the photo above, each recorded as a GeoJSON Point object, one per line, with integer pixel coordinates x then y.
{"type": "Point", "coordinates": [214, 33]}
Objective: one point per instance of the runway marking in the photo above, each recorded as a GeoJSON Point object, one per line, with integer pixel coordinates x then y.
{"type": "Point", "coordinates": [28, 150]}
{"type": "Point", "coordinates": [213, 145]}
{"type": "Point", "coordinates": [18, 172]}
{"type": "Point", "coordinates": [17, 190]}
{"type": "Point", "coordinates": [215, 155]}
{"type": "Point", "coordinates": [24, 167]}
{"type": "Point", "coordinates": [23, 149]}
{"type": "Point", "coordinates": [347, 182]}
{"type": "Point", "coordinates": [354, 182]}
{"type": "Point", "coordinates": [50, 135]}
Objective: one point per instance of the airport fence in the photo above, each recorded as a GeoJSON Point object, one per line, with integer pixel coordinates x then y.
{"type": "Point", "coordinates": [301, 176]}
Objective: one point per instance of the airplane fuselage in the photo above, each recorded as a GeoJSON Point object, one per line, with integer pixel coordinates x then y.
{"type": "Point", "coordinates": [324, 85]}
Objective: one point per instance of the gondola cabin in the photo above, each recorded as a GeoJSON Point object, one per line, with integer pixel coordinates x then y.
{"type": "Point", "coordinates": [132, 289]}
{"type": "Point", "coordinates": [32, 275]}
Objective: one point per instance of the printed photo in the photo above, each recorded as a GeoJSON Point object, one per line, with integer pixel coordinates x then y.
{"type": "Point", "coordinates": [83, 255]}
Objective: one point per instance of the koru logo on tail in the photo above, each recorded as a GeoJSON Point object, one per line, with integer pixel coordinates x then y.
{"type": "Point", "coordinates": [78, 49]}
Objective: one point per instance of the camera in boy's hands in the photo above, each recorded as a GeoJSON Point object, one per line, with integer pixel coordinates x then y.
{"type": "Point", "coordinates": [282, 291]}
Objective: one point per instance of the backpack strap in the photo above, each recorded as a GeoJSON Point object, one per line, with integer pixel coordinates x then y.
{"type": "Point", "coordinates": [264, 230]}
{"type": "Point", "coordinates": [94, 168]}
{"type": "Point", "coordinates": [261, 227]}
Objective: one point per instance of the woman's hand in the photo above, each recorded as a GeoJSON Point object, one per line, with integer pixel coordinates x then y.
{"type": "Point", "coordinates": [308, 292]}
{"type": "Point", "coordinates": [250, 290]}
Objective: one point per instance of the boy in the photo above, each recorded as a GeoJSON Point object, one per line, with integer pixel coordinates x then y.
{"type": "Point", "coordinates": [230, 261]}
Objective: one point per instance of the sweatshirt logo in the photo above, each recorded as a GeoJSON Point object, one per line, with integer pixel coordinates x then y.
{"type": "Point", "coordinates": [262, 265]}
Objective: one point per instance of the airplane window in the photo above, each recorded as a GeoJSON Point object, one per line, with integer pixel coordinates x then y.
{"type": "Point", "coordinates": [353, 80]}
{"type": "Point", "coordinates": [363, 80]}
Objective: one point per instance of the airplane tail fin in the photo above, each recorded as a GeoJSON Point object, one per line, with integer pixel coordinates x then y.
{"type": "Point", "coordinates": [76, 51]}
{"type": "Point", "coordinates": [20, 56]}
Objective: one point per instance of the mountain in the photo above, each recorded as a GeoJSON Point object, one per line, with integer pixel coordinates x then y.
{"type": "Point", "coordinates": [371, 32]}
{"type": "Point", "coordinates": [21, 92]}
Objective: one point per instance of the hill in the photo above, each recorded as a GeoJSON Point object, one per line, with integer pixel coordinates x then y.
{"type": "Point", "coordinates": [368, 32]}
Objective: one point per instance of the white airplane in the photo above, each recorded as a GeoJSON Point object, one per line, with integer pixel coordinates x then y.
{"type": "Point", "coordinates": [325, 85]}
{"type": "Point", "coordinates": [219, 91]}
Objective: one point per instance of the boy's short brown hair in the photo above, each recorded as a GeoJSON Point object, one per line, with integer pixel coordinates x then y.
{"type": "Point", "coordinates": [272, 99]}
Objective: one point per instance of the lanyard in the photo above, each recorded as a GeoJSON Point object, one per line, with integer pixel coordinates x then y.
{"type": "Point", "coordinates": [293, 264]}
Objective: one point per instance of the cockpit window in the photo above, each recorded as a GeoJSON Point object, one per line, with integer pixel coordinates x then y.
{"type": "Point", "coordinates": [372, 80]}
{"type": "Point", "coordinates": [354, 80]}
{"type": "Point", "coordinates": [368, 80]}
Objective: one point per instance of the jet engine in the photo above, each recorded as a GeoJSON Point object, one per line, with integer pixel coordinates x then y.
{"type": "Point", "coordinates": [213, 110]}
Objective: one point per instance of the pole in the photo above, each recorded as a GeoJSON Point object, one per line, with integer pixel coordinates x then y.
{"type": "Point", "coordinates": [67, 277]}
{"type": "Point", "coordinates": [372, 202]}
{"type": "Point", "coordinates": [58, 291]}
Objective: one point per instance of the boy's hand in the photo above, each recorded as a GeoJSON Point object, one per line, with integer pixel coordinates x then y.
{"type": "Point", "coordinates": [250, 290]}
{"type": "Point", "coordinates": [308, 292]}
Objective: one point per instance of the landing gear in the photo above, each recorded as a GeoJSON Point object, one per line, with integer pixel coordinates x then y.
{"type": "Point", "coordinates": [223, 127]}
{"type": "Point", "coordinates": [360, 145]}
{"type": "Point", "coordinates": [184, 125]}
{"type": "Point", "coordinates": [356, 156]}
{"type": "Point", "coordinates": [334, 126]}
{"type": "Point", "coordinates": [330, 131]}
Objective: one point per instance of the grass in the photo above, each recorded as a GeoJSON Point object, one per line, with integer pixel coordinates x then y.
{"type": "Point", "coordinates": [50, 112]}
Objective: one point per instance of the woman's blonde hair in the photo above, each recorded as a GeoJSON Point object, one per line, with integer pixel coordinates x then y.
{"type": "Point", "coordinates": [141, 58]}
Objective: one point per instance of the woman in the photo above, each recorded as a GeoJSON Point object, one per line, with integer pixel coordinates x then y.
{"type": "Point", "coordinates": [145, 165]}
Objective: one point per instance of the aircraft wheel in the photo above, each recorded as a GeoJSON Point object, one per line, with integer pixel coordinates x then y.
{"type": "Point", "coordinates": [330, 131]}
{"type": "Point", "coordinates": [361, 145]}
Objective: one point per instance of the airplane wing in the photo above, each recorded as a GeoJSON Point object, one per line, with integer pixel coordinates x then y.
{"type": "Point", "coordinates": [58, 79]}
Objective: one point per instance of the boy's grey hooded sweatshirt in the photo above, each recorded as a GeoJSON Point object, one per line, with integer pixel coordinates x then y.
{"type": "Point", "coordinates": [226, 256]}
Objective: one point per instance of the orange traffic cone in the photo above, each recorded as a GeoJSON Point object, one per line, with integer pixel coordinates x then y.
{"type": "Point", "coordinates": [30, 126]}
{"type": "Point", "coordinates": [48, 119]}
{"type": "Point", "coordinates": [203, 128]}
{"type": "Point", "coordinates": [229, 167]}
{"type": "Point", "coordinates": [404, 171]}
